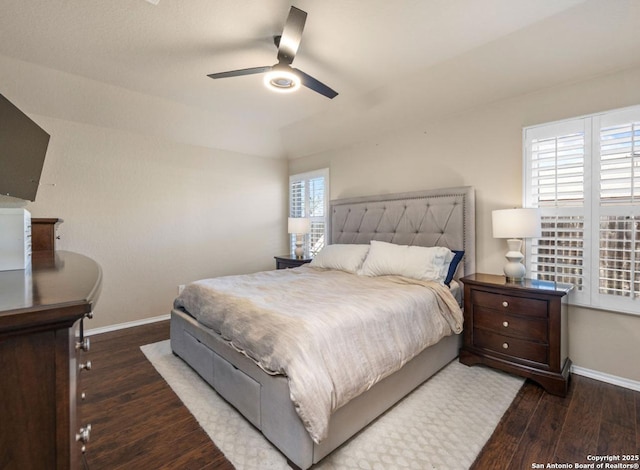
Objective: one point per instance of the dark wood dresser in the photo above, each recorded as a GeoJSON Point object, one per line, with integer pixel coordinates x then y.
{"type": "Point", "coordinates": [518, 327]}
{"type": "Point", "coordinates": [41, 354]}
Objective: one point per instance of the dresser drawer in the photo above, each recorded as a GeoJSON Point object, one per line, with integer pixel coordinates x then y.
{"type": "Point", "coordinates": [513, 347]}
{"type": "Point", "coordinates": [528, 328]}
{"type": "Point", "coordinates": [510, 303]}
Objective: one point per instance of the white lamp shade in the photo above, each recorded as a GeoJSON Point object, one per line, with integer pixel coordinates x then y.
{"type": "Point", "coordinates": [516, 223]}
{"type": "Point", "coordinates": [299, 225]}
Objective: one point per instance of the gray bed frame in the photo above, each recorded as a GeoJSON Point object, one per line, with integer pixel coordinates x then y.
{"type": "Point", "coordinates": [442, 217]}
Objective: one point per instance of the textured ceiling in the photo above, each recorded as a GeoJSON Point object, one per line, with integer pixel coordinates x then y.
{"type": "Point", "coordinates": [393, 62]}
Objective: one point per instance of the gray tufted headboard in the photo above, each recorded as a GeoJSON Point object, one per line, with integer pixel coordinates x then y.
{"type": "Point", "coordinates": [437, 217]}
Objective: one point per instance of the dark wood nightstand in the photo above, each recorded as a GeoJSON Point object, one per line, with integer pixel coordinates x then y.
{"type": "Point", "coordinates": [520, 328]}
{"type": "Point", "coordinates": [290, 261]}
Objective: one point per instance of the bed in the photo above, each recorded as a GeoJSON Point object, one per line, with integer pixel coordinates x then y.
{"type": "Point", "coordinates": [432, 218]}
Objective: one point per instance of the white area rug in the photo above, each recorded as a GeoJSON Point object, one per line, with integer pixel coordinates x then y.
{"type": "Point", "coordinates": [443, 424]}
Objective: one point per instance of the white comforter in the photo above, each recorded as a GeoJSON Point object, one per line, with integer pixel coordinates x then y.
{"type": "Point", "coordinates": [333, 334]}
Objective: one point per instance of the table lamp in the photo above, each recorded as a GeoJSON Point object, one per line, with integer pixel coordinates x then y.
{"type": "Point", "coordinates": [299, 226]}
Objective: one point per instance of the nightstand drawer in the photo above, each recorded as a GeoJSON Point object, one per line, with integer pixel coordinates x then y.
{"type": "Point", "coordinates": [513, 347]}
{"type": "Point", "coordinates": [535, 329]}
{"type": "Point", "coordinates": [510, 303]}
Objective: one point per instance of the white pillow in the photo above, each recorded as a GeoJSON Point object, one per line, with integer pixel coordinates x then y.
{"type": "Point", "coordinates": [416, 262]}
{"type": "Point", "coordinates": [342, 257]}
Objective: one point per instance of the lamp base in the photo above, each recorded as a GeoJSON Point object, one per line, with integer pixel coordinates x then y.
{"type": "Point", "coordinates": [514, 270]}
{"type": "Point", "coordinates": [514, 280]}
{"type": "Point", "coordinates": [299, 251]}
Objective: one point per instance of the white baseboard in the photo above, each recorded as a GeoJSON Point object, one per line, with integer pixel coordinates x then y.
{"type": "Point", "coordinates": [129, 324]}
{"type": "Point", "coordinates": [608, 378]}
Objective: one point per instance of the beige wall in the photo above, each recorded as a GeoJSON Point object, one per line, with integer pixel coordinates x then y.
{"type": "Point", "coordinates": [156, 214]}
{"type": "Point", "coordinates": [483, 148]}
{"type": "Point", "coordinates": [145, 187]}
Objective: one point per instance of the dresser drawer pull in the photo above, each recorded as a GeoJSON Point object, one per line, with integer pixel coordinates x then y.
{"type": "Point", "coordinates": [505, 345]}
{"type": "Point", "coordinates": [505, 324]}
{"type": "Point", "coordinates": [84, 434]}
{"type": "Point", "coordinates": [85, 366]}
{"type": "Point", "coordinates": [505, 304]}
{"type": "Point", "coordinates": [85, 344]}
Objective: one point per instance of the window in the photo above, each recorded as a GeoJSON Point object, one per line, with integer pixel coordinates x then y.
{"type": "Point", "coordinates": [308, 197]}
{"type": "Point", "coordinates": [584, 175]}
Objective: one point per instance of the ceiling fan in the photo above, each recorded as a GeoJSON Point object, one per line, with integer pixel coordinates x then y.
{"type": "Point", "coordinates": [281, 76]}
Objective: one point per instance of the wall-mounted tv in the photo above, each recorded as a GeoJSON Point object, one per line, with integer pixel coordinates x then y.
{"type": "Point", "coordinates": [23, 145]}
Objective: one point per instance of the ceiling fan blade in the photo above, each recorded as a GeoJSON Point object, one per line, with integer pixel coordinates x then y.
{"type": "Point", "coordinates": [291, 35]}
{"type": "Point", "coordinates": [238, 73]}
{"type": "Point", "coordinates": [316, 85]}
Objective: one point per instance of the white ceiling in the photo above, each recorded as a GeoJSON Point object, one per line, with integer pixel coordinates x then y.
{"type": "Point", "coordinates": [393, 62]}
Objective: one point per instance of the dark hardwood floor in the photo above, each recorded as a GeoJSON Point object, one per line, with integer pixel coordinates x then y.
{"type": "Point", "coordinates": [139, 423]}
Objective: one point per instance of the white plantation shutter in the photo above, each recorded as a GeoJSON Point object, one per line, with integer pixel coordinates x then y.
{"type": "Point", "coordinates": [555, 172]}
{"type": "Point", "coordinates": [584, 175]}
{"type": "Point", "coordinates": [297, 190]}
{"type": "Point", "coordinates": [620, 164]}
{"type": "Point", "coordinates": [618, 214]}
{"type": "Point", "coordinates": [618, 252]}
{"type": "Point", "coordinates": [558, 255]}
{"type": "Point", "coordinates": [317, 212]}
{"type": "Point", "coordinates": [308, 197]}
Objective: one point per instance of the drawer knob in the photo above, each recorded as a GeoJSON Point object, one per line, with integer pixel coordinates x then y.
{"type": "Point", "coordinates": [85, 344]}
{"type": "Point", "coordinates": [505, 324]}
{"type": "Point", "coordinates": [85, 366]}
{"type": "Point", "coordinates": [505, 345]}
{"type": "Point", "coordinates": [505, 304]}
{"type": "Point", "coordinates": [83, 434]}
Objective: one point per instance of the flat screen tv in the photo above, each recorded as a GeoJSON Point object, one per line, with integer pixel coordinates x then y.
{"type": "Point", "coordinates": [23, 145]}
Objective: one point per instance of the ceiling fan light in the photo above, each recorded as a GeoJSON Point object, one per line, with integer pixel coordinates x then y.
{"type": "Point", "coordinates": [283, 81]}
